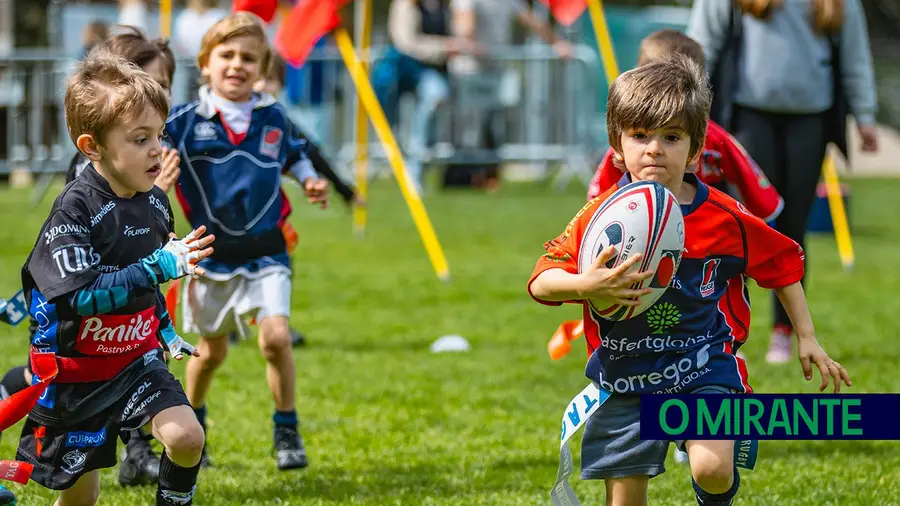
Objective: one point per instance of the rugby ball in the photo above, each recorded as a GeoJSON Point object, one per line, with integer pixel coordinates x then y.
{"type": "Point", "coordinates": [641, 217]}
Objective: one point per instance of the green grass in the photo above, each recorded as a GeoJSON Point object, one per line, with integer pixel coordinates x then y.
{"type": "Point", "coordinates": [388, 423]}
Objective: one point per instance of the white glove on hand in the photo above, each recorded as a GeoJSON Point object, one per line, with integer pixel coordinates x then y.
{"type": "Point", "coordinates": [176, 344]}
{"type": "Point", "coordinates": [186, 252]}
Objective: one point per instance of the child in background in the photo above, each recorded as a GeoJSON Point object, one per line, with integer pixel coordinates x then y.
{"type": "Point", "coordinates": [235, 145]}
{"type": "Point", "coordinates": [657, 120]}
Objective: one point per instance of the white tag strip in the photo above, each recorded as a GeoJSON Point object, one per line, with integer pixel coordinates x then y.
{"type": "Point", "coordinates": [579, 410]}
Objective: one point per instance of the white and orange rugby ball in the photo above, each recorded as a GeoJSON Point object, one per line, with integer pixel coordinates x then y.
{"type": "Point", "coordinates": [641, 217]}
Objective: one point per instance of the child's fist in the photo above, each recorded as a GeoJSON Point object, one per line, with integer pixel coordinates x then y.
{"type": "Point", "coordinates": [316, 191]}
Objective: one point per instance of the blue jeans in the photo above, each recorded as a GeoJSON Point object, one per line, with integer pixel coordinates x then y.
{"type": "Point", "coordinates": [397, 74]}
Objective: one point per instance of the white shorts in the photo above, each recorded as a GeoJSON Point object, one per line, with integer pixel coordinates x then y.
{"type": "Point", "coordinates": [215, 308]}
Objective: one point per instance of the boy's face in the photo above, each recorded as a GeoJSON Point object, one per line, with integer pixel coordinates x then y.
{"type": "Point", "coordinates": [234, 66]}
{"type": "Point", "coordinates": [657, 155]}
{"type": "Point", "coordinates": [130, 155]}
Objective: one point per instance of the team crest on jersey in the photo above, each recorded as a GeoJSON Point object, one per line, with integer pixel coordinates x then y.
{"type": "Point", "coordinates": [204, 131]}
{"type": "Point", "coordinates": [270, 145]}
{"type": "Point", "coordinates": [708, 283]}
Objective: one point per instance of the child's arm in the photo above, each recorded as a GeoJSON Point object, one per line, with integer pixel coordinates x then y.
{"type": "Point", "coordinates": [298, 164]}
{"type": "Point", "coordinates": [555, 278]}
{"type": "Point", "coordinates": [810, 352]}
{"type": "Point", "coordinates": [776, 262]}
{"type": "Point", "coordinates": [757, 193]}
{"type": "Point", "coordinates": [597, 282]}
{"type": "Point", "coordinates": [321, 165]}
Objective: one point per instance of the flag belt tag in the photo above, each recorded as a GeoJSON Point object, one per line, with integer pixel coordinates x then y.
{"type": "Point", "coordinates": [580, 408]}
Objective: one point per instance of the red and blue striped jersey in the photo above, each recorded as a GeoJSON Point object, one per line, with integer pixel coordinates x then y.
{"type": "Point", "coordinates": [689, 337]}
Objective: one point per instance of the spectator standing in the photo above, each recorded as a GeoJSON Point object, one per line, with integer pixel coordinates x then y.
{"type": "Point", "coordinates": [793, 63]}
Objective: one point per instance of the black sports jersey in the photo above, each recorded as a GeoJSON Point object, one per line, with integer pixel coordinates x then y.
{"type": "Point", "coordinates": [91, 232]}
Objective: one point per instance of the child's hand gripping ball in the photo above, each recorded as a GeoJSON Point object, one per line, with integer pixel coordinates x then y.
{"type": "Point", "coordinates": [631, 250]}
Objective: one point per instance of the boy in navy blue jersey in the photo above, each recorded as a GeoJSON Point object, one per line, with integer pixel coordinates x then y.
{"type": "Point", "coordinates": [92, 285]}
{"type": "Point", "coordinates": [657, 116]}
{"type": "Point", "coordinates": [235, 145]}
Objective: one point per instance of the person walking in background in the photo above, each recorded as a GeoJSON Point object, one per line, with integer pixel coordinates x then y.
{"type": "Point", "coordinates": [417, 62]}
{"type": "Point", "coordinates": [793, 63]}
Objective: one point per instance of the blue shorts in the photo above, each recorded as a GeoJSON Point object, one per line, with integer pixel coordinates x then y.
{"type": "Point", "coordinates": [611, 446]}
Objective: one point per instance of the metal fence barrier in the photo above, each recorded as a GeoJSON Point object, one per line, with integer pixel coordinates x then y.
{"type": "Point", "coordinates": [538, 107]}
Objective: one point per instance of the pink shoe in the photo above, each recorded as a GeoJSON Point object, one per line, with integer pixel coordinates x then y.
{"type": "Point", "coordinates": [780, 350]}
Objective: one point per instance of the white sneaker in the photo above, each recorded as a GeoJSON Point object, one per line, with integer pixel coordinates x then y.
{"type": "Point", "coordinates": [779, 348]}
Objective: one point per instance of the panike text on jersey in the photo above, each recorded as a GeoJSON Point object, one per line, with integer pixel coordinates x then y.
{"type": "Point", "coordinates": [724, 164]}
{"type": "Point", "coordinates": [232, 182]}
{"type": "Point", "coordinates": [690, 336]}
{"type": "Point", "coordinates": [101, 338]}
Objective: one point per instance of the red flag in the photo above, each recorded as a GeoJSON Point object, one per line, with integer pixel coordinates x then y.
{"type": "Point", "coordinates": [566, 11]}
{"type": "Point", "coordinates": [307, 22]}
{"type": "Point", "coordinates": [265, 9]}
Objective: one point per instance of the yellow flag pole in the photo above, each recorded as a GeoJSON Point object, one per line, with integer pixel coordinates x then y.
{"type": "Point", "coordinates": [363, 29]}
{"type": "Point", "coordinates": [165, 18]}
{"type": "Point", "coordinates": [838, 213]}
{"type": "Point", "coordinates": [379, 121]}
{"type": "Point", "coordinates": [604, 41]}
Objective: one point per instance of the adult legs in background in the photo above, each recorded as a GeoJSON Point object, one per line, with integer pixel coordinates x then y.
{"type": "Point", "coordinates": [804, 136]}
{"type": "Point", "coordinates": [432, 90]}
{"type": "Point", "coordinates": [790, 150]}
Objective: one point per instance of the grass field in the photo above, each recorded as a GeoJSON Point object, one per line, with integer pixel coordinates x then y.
{"type": "Point", "coordinates": [388, 423]}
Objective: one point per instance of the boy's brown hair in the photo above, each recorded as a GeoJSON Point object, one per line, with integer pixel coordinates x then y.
{"type": "Point", "coordinates": [237, 24]}
{"type": "Point", "coordinates": [671, 89]}
{"type": "Point", "coordinates": [668, 41]}
{"type": "Point", "coordinates": [106, 90]}
{"type": "Point", "coordinates": [132, 44]}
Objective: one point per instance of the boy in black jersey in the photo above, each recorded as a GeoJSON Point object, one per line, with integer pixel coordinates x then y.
{"type": "Point", "coordinates": [92, 284]}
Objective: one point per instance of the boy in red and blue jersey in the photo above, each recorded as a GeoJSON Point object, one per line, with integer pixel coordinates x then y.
{"type": "Point", "coordinates": [686, 342]}
{"type": "Point", "coordinates": [235, 147]}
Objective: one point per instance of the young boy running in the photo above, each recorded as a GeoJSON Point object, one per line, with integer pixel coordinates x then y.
{"type": "Point", "coordinates": [235, 145]}
{"type": "Point", "coordinates": [657, 116]}
{"type": "Point", "coordinates": [92, 285]}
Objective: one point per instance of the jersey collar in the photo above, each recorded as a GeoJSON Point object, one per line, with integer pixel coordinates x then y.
{"type": "Point", "coordinates": [206, 109]}
{"type": "Point", "coordinates": [699, 198]}
{"type": "Point", "coordinates": [93, 178]}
